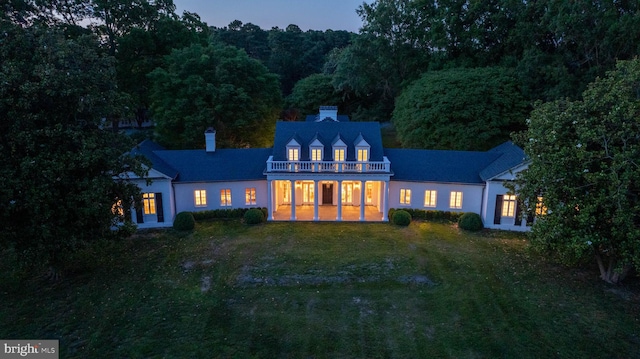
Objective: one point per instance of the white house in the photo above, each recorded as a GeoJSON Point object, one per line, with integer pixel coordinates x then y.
{"type": "Point", "coordinates": [329, 169]}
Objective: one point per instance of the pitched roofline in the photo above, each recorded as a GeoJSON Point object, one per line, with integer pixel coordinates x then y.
{"type": "Point", "coordinates": [510, 170]}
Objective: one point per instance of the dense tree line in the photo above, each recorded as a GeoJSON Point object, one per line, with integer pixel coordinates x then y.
{"type": "Point", "coordinates": [555, 48]}
{"type": "Point", "coordinates": [290, 53]}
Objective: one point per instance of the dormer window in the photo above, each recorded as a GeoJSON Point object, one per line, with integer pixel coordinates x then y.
{"type": "Point", "coordinates": [362, 149]}
{"type": "Point", "coordinates": [293, 154]}
{"type": "Point", "coordinates": [339, 150]}
{"type": "Point", "coordinates": [293, 150]}
{"type": "Point", "coordinates": [316, 154]}
{"type": "Point", "coordinates": [363, 155]}
{"type": "Point", "coordinates": [316, 149]}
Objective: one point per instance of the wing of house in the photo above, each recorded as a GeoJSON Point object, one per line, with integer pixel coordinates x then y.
{"type": "Point", "coordinates": [329, 169]}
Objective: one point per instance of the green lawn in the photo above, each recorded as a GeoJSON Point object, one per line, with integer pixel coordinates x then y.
{"type": "Point", "coordinates": [326, 290]}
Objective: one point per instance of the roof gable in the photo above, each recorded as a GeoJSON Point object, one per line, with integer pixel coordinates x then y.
{"type": "Point", "coordinates": [338, 142]}
{"type": "Point", "coordinates": [361, 142]}
{"type": "Point", "coordinates": [316, 143]}
{"type": "Point", "coordinates": [510, 156]}
{"type": "Point", "coordinates": [147, 148]}
{"type": "Point", "coordinates": [293, 143]}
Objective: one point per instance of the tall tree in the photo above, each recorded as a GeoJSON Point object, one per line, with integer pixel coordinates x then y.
{"type": "Point", "coordinates": [115, 18]}
{"type": "Point", "coordinates": [312, 92]}
{"type": "Point", "coordinates": [57, 165]}
{"type": "Point", "coordinates": [460, 109]}
{"type": "Point", "coordinates": [585, 173]}
{"type": "Point", "coordinates": [286, 56]}
{"type": "Point", "coordinates": [249, 37]}
{"type": "Point", "coordinates": [214, 85]}
{"type": "Point", "coordinates": [141, 51]}
{"type": "Point", "coordinates": [390, 52]}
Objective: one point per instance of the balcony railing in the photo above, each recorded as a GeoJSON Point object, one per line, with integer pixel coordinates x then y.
{"type": "Point", "coordinates": [329, 166]}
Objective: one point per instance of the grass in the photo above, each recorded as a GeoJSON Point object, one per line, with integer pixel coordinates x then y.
{"type": "Point", "coordinates": [322, 290]}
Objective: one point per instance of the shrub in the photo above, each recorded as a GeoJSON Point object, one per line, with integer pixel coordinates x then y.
{"type": "Point", "coordinates": [253, 216]}
{"type": "Point", "coordinates": [401, 218]}
{"type": "Point", "coordinates": [428, 215]}
{"type": "Point", "coordinates": [220, 214]}
{"type": "Point", "coordinates": [184, 221]}
{"type": "Point", "coordinates": [470, 221]}
{"type": "Point", "coordinates": [390, 213]}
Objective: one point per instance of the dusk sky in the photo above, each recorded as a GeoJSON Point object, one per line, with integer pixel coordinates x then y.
{"type": "Point", "coordinates": [307, 14]}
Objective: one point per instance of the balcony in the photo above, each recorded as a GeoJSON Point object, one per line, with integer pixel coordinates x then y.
{"type": "Point", "coordinates": [328, 166]}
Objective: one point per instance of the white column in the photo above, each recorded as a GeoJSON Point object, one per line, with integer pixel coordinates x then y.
{"type": "Point", "coordinates": [315, 200]}
{"type": "Point", "coordinates": [269, 201]}
{"type": "Point", "coordinates": [293, 200]}
{"type": "Point", "coordinates": [385, 201]}
{"type": "Point", "coordinates": [362, 192]}
{"type": "Point", "coordinates": [339, 217]}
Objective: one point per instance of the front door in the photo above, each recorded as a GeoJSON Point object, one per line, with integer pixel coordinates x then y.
{"type": "Point", "coordinates": [327, 193]}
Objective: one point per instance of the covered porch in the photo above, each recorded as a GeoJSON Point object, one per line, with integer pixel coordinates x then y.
{"type": "Point", "coordinates": [328, 199]}
{"type": "Point", "coordinates": [327, 213]}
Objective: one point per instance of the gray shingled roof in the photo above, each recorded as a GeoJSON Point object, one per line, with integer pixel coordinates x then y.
{"type": "Point", "coordinates": [511, 156]}
{"type": "Point", "coordinates": [453, 166]}
{"type": "Point", "coordinates": [222, 165]}
{"type": "Point", "coordinates": [147, 148]}
{"type": "Point", "coordinates": [406, 164]}
{"type": "Point", "coordinates": [326, 132]}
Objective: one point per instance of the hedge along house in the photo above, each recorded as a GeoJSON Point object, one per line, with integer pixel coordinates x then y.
{"type": "Point", "coordinates": [328, 168]}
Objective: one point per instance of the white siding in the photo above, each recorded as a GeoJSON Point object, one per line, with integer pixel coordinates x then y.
{"type": "Point", "coordinates": [158, 185]}
{"type": "Point", "coordinates": [471, 195]}
{"type": "Point", "coordinates": [185, 200]}
{"type": "Point", "coordinates": [493, 189]}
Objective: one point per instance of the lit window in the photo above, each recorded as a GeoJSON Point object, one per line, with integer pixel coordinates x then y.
{"type": "Point", "coordinates": [200, 196]}
{"type": "Point", "coordinates": [455, 201]}
{"type": "Point", "coordinates": [225, 197]}
{"type": "Point", "coordinates": [369, 193]}
{"type": "Point", "coordinates": [286, 191]}
{"type": "Point", "coordinates": [117, 209]}
{"type": "Point", "coordinates": [429, 198]}
{"type": "Point", "coordinates": [541, 209]}
{"type": "Point", "coordinates": [316, 154]}
{"type": "Point", "coordinates": [363, 155]}
{"type": "Point", "coordinates": [347, 193]}
{"type": "Point", "coordinates": [149, 203]}
{"type": "Point", "coordinates": [338, 155]}
{"type": "Point", "coordinates": [405, 196]}
{"type": "Point", "coordinates": [308, 192]}
{"type": "Point", "coordinates": [250, 196]}
{"type": "Point", "coordinates": [508, 205]}
{"type": "Point", "coordinates": [294, 154]}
